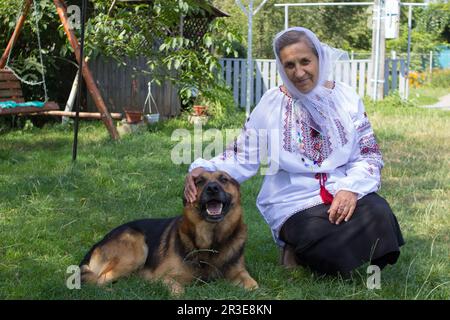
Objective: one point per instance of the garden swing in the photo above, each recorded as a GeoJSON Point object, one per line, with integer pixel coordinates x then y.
{"type": "Point", "coordinates": [10, 83]}
{"type": "Point", "coordinates": [11, 96]}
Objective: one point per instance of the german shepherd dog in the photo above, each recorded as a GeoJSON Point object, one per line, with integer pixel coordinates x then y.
{"type": "Point", "coordinates": [206, 242]}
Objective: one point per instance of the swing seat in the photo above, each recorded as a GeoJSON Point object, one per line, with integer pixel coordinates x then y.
{"type": "Point", "coordinates": [11, 91]}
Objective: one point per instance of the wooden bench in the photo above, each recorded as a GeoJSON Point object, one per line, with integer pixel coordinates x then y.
{"type": "Point", "coordinates": [11, 90]}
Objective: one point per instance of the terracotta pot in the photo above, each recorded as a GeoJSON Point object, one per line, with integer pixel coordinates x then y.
{"type": "Point", "coordinates": [133, 116]}
{"type": "Point", "coordinates": [200, 110]}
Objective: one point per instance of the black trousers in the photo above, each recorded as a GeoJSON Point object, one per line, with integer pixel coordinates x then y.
{"type": "Point", "coordinates": [372, 234]}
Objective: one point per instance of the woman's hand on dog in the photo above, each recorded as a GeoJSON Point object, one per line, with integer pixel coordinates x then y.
{"type": "Point", "coordinates": [342, 207]}
{"type": "Point", "coordinates": [190, 190]}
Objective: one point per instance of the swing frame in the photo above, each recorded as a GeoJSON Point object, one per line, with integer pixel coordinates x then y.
{"type": "Point", "coordinates": [61, 8]}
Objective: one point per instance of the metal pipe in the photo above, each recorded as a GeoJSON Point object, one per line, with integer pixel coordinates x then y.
{"type": "Point", "coordinates": [259, 7]}
{"type": "Point", "coordinates": [431, 62]}
{"type": "Point", "coordinates": [414, 4]}
{"type": "Point", "coordinates": [324, 4]}
{"type": "Point", "coordinates": [286, 17]}
{"type": "Point", "coordinates": [408, 59]}
{"type": "Point", "coordinates": [78, 104]}
{"type": "Point", "coordinates": [249, 57]}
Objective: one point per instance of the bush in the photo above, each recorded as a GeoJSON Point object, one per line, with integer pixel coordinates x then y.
{"type": "Point", "coordinates": [391, 101]}
{"type": "Point", "coordinates": [440, 78]}
{"type": "Point", "coordinates": [220, 101]}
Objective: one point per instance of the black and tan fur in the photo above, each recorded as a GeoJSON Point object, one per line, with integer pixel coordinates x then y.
{"type": "Point", "coordinates": [181, 249]}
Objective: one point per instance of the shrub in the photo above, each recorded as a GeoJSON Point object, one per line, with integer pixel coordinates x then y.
{"type": "Point", "coordinates": [220, 101]}
{"type": "Point", "coordinates": [440, 78]}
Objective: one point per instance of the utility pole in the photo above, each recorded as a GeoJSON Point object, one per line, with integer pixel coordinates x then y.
{"type": "Point", "coordinates": [378, 50]}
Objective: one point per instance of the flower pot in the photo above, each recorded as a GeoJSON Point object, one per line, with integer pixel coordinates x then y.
{"type": "Point", "coordinates": [133, 116]}
{"type": "Point", "coordinates": [200, 110]}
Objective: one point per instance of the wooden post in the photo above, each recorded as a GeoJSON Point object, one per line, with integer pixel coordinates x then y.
{"type": "Point", "coordinates": [84, 115]}
{"type": "Point", "coordinates": [16, 33]}
{"type": "Point", "coordinates": [87, 75]}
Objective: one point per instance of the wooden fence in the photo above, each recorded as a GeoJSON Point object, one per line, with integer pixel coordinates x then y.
{"type": "Point", "coordinates": [115, 84]}
{"type": "Point", "coordinates": [394, 76]}
{"type": "Point", "coordinates": [356, 73]}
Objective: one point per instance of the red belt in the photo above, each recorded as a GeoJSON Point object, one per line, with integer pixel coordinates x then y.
{"type": "Point", "coordinates": [326, 196]}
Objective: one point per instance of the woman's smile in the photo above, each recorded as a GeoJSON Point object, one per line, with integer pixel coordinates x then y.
{"type": "Point", "coordinates": [300, 65]}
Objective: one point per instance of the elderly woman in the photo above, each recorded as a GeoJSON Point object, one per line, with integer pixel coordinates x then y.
{"type": "Point", "coordinates": [320, 202]}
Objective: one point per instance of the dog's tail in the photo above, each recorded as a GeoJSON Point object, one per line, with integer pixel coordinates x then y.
{"type": "Point", "coordinates": [94, 268]}
{"type": "Point", "coordinates": [118, 254]}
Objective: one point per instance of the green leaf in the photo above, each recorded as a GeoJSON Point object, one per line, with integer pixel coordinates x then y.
{"type": "Point", "coordinates": [207, 41]}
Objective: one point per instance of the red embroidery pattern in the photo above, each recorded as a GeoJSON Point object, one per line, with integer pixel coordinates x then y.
{"type": "Point", "coordinates": [307, 141]}
{"type": "Point", "coordinates": [341, 131]}
{"type": "Point", "coordinates": [365, 124]}
{"type": "Point", "coordinates": [287, 126]}
{"type": "Point", "coordinates": [314, 146]}
{"type": "Point", "coordinates": [369, 147]}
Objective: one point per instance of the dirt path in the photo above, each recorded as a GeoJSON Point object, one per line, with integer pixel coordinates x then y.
{"type": "Point", "coordinates": [443, 104]}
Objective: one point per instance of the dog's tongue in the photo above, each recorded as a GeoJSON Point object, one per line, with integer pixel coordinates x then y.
{"type": "Point", "coordinates": [214, 208]}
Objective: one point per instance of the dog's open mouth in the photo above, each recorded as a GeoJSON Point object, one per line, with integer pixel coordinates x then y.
{"type": "Point", "coordinates": [214, 209]}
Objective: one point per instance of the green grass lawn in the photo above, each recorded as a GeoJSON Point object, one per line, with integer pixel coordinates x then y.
{"type": "Point", "coordinates": [427, 95]}
{"type": "Point", "coordinates": [52, 211]}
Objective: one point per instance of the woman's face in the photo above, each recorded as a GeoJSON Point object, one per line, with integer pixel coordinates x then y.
{"type": "Point", "coordinates": [301, 65]}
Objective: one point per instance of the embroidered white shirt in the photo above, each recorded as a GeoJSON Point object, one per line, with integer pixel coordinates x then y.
{"type": "Point", "coordinates": [282, 132]}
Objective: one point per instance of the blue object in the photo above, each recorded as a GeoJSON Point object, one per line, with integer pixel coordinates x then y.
{"type": "Point", "coordinates": [444, 57]}
{"type": "Point", "coordinates": [13, 104]}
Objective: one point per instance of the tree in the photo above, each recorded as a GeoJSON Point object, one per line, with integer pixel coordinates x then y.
{"type": "Point", "coordinates": [25, 54]}
{"type": "Point", "coordinates": [430, 30]}
{"type": "Point", "coordinates": [150, 29]}
{"type": "Point", "coordinates": [344, 27]}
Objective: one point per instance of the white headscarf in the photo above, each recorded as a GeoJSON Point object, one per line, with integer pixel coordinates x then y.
{"type": "Point", "coordinates": [319, 101]}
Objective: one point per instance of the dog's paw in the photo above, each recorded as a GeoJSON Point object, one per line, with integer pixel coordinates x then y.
{"type": "Point", "coordinates": [176, 289]}
{"type": "Point", "coordinates": [246, 281]}
{"type": "Point", "coordinates": [250, 284]}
